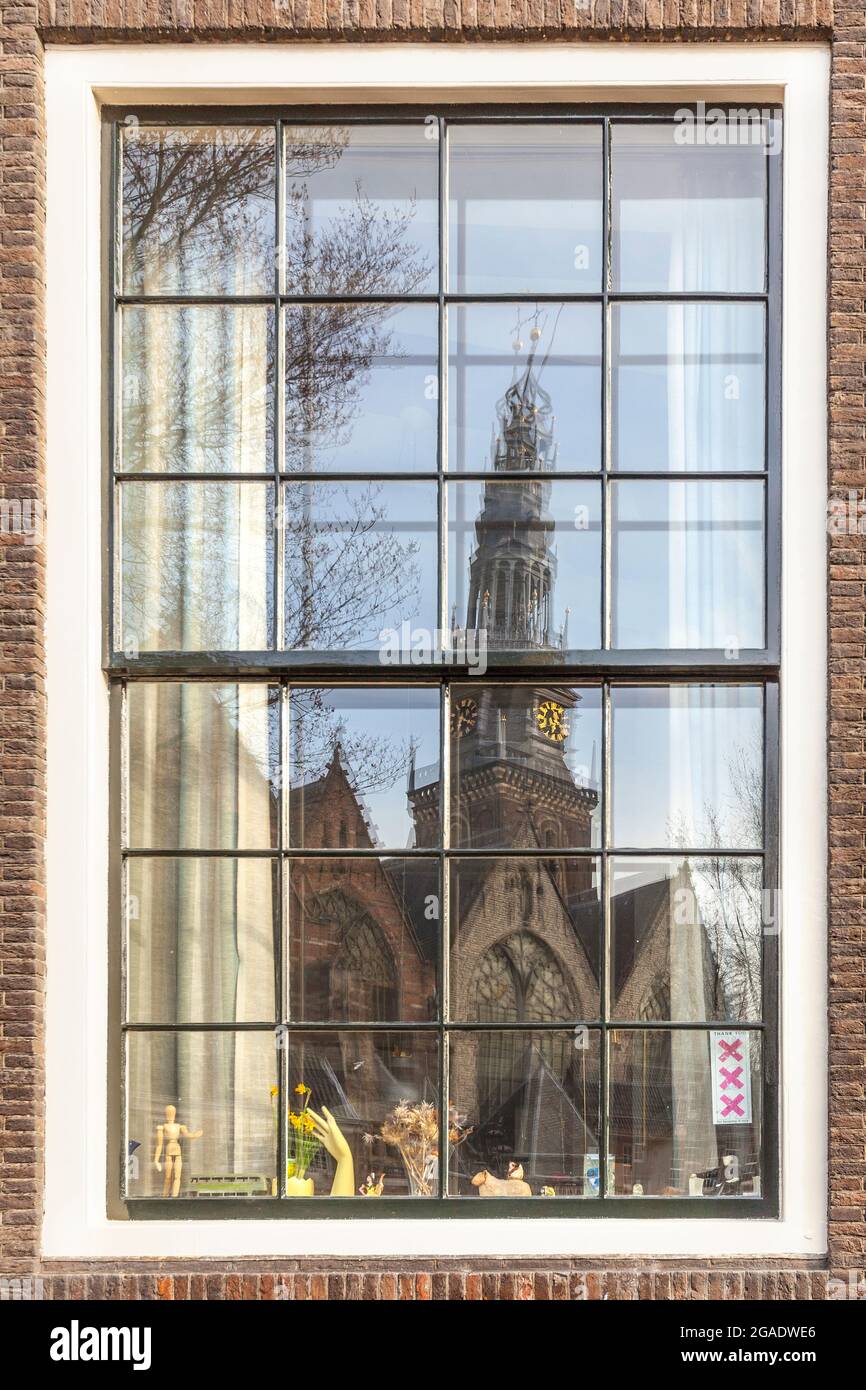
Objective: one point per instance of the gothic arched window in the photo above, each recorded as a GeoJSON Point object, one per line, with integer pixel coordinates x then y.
{"type": "Point", "coordinates": [518, 980]}
{"type": "Point", "coordinates": [363, 983]}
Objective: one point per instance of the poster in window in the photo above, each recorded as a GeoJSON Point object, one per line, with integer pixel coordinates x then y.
{"type": "Point", "coordinates": [732, 1077]}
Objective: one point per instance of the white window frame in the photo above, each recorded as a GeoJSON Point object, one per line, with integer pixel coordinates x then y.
{"type": "Point", "coordinates": [79, 80]}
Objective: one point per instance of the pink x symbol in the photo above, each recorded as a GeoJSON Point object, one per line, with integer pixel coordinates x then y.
{"type": "Point", "coordinates": [733, 1105]}
{"type": "Point", "coordinates": [732, 1078]}
{"type": "Point", "coordinates": [729, 1051]}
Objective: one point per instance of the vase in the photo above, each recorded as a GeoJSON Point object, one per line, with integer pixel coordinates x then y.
{"type": "Point", "coordinates": [299, 1187]}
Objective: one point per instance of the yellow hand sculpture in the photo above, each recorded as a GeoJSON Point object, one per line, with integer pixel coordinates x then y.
{"type": "Point", "coordinates": [331, 1137]}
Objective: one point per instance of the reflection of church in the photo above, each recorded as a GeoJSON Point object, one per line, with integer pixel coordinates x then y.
{"type": "Point", "coordinates": [526, 932]}
{"type": "Point", "coordinates": [364, 931]}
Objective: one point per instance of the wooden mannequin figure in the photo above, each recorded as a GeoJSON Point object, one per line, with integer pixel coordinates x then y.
{"type": "Point", "coordinates": [168, 1136]}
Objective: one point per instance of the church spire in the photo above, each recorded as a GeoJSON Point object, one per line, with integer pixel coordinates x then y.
{"type": "Point", "coordinates": [513, 569]}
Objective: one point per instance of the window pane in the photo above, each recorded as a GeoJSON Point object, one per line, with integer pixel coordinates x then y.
{"type": "Point", "coordinates": [203, 766]}
{"type": "Point", "coordinates": [217, 1085]}
{"type": "Point", "coordinates": [525, 759]}
{"type": "Point", "coordinates": [525, 208]}
{"type": "Point", "coordinates": [373, 1082]}
{"type": "Point", "coordinates": [196, 389]}
{"type": "Point", "coordinates": [364, 938]}
{"type": "Point", "coordinates": [196, 567]}
{"type": "Point", "coordinates": [685, 1113]}
{"type": "Point", "coordinates": [364, 767]}
{"type": "Point", "coordinates": [688, 766]}
{"type": "Point", "coordinates": [687, 217]}
{"type": "Point", "coordinates": [524, 387]}
{"type": "Point", "coordinates": [361, 559]}
{"type": "Point", "coordinates": [688, 388]}
{"type": "Point", "coordinates": [686, 939]}
{"type": "Point", "coordinates": [529, 1099]}
{"type": "Point", "coordinates": [361, 387]}
{"type": "Point", "coordinates": [198, 209]}
{"type": "Point", "coordinates": [525, 937]}
{"type": "Point", "coordinates": [200, 940]}
{"type": "Point", "coordinates": [362, 209]}
{"type": "Point", "coordinates": [524, 563]}
{"type": "Point", "coordinates": [688, 564]}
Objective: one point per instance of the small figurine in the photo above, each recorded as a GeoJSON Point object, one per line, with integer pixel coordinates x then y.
{"type": "Point", "coordinates": [168, 1136]}
{"type": "Point", "coordinates": [547, 1192]}
{"type": "Point", "coordinates": [515, 1170]}
{"type": "Point", "coordinates": [374, 1186]}
{"type": "Point", "coordinates": [489, 1186]}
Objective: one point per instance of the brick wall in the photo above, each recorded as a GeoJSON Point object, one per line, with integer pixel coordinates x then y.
{"type": "Point", "coordinates": [421, 1281]}
{"type": "Point", "coordinates": [23, 27]}
{"type": "Point", "coordinates": [22, 665]}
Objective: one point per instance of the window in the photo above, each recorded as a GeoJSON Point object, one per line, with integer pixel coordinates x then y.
{"type": "Point", "coordinates": [444, 648]}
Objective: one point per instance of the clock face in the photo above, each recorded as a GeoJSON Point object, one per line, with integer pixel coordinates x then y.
{"type": "Point", "coordinates": [464, 716]}
{"type": "Point", "coordinates": [551, 720]}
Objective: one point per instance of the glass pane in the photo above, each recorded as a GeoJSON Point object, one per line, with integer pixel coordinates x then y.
{"type": "Point", "coordinates": [382, 1091]}
{"type": "Point", "coordinates": [198, 209]}
{"type": "Point", "coordinates": [525, 937]}
{"type": "Point", "coordinates": [524, 564]}
{"type": "Point", "coordinates": [524, 387]}
{"type": "Point", "coordinates": [203, 765]}
{"type": "Point", "coordinates": [525, 760]}
{"type": "Point", "coordinates": [688, 564]}
{"type": "Point", "coordinates": [686, 939]}
{"type": "Point", "coordinates": [362, 209]}
{"type": "Point", "coordinates": [685, 1113]}
{"type": "Point", "coordinates": [530, 1102]}
{"type": "Point", "coordinates": [196, 567]}
{"type": "Point", "coordinates": [196, 389]}
{"type": "Point", "coordinates": [361, 560]}
{"type": "Point", "coordinates": [688, 387]}
{"type": "Point", "coordinates": [364, 767]}
{"type": "Point", "coordinates": [687, 216]}
{"type": "Point", "coordinates": [201, 938]}
{"type": "Point", "coordinates": [363, 938]}
{"type": "Point", "coordinates": [688, 766]}
{"type": "Point", "coordinates": [216, 1087]}
{"type": "Point", "coordinates": [525, 208]}
{"type": "Point", "coordinates": [361, 387]}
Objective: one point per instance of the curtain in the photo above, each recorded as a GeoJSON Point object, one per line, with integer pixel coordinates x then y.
{"type": "Point", "coordinates": [195, 559]}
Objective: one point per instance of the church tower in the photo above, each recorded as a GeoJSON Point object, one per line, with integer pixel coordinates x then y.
{"type": "Point", "coordinates": [513, 569]}
{"type": "Point", "coordinates": [511, 782]}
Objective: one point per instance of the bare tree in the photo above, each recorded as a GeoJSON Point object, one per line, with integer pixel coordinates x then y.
{"type": "Point", "coordinates": [198, 215]}
{"type": "Point", "coordinates": [728, 889]}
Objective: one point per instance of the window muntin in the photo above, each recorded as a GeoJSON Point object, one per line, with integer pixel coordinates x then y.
{"type": "Point", "coordinates": [285, 597]}
{"type": "Point", "coordinates": [688, 216]}
{"type": "Point", "coordinates": [524, 208]}
{"type": "Point", "coordinates": [196, 389]}
{"type": "Point", "coordinates": [202, 939]}
{"type": "Point", "coordinates": [688, 563]}
{"type": "Point", "coordinates": [359, 388]}
{"type": "Point", "coordinates": [487, 343]}
{"type": "Point", "coordinates": [196, 209]}
{"type": "Point", "coordinates": [688, 386]}
{"type": "Point", "coordinates": [361, 208]}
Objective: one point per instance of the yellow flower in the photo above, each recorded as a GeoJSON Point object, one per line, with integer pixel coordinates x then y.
{"type": "Point", "coordinates": [295, 1120]}
{"type": "Point", "coordinates": [275, 1090]}
{"type": "Point", "coordinates": [302, 1090]}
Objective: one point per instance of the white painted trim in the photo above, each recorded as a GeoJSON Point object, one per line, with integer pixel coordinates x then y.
{"type": "Point", "coordinates": [77, 79]}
